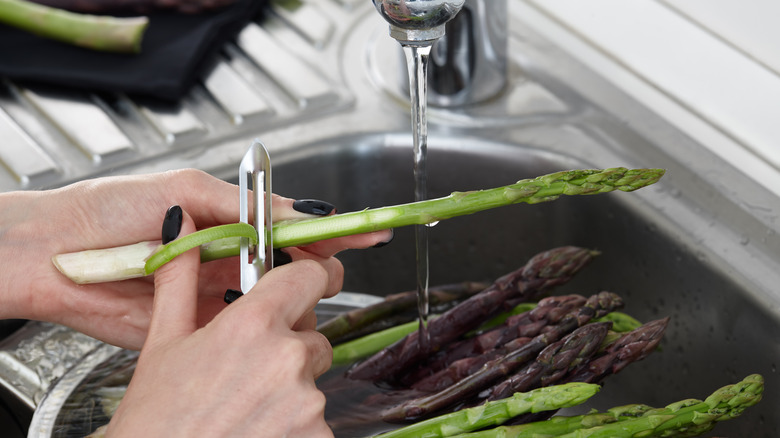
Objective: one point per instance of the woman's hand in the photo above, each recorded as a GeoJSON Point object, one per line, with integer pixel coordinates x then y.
{"type": "Point", "coordinates": [249, 372]}
{"type": "Point", "coordinates": [108, 212]}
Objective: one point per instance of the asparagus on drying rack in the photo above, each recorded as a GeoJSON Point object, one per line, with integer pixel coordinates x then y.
{"type": "Point", "coordinates": [96, 32]}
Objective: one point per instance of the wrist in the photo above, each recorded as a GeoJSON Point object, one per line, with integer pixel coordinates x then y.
{"type": "Point", "coordinates": [16, 236]}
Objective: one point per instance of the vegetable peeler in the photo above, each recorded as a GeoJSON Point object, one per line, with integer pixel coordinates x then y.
{"type": "Point", "coordinates": [256, 167]}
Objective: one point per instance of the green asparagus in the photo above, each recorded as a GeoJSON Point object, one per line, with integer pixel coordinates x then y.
{"type": "Point", "coordinates": [685, 418]}
{"type": "Point", "coordinates": [104, 33]}
{"type": "Point", "coordinates": [303, 232]}
{"type": "Point", "coordinates": [541, 189]}
{"type": "Point", "coordinates": [621, 322]}
{"type": "Point", "coordinates": [499, 411]}
{"type": "Point", "coordinates": [365, 346]}
{"type": "Point", "coordinates": [342, 326]}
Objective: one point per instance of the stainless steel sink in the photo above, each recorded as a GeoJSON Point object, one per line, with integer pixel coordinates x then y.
{"type": "Point", "coordinates": [653, 254]}
{"type": "Point", "coordinates": [702, 246]}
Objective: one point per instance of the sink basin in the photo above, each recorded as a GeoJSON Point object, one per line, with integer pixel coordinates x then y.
{"type": "Point", "coordinates": [720, 330]}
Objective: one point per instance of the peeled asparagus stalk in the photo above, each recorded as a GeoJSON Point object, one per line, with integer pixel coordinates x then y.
{"type": "Point", "coordinates": [303, 232]}
{"type": "Point", "coordinates": [96, 32]}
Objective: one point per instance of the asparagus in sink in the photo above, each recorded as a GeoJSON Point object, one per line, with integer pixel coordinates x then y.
{"type": "Point", "coordinates": [144, 258]}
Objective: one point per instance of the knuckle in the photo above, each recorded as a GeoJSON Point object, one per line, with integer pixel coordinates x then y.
{"type": "Point", "coordinates": [296, 352]}
{"type": "Point", "coordinates": [312, 267]}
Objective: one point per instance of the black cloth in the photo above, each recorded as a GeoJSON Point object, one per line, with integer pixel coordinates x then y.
{"type": "Point", "coordinates": [175, 48]}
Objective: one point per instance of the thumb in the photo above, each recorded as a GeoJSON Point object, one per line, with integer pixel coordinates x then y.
{"type": "Point", "coordinates": [175, 307]}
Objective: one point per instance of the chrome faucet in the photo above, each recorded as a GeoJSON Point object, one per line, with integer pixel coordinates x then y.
{"type": "Point", "coordinates": [417, 22]}
{"type": "Point", "coordinates": [468, 62]}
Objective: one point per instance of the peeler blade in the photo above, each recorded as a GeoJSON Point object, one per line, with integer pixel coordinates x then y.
{"type": "Point", "coordinates": [256, 259]}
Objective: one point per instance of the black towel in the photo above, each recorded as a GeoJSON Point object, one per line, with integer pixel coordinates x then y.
{"type": "Point", "coordinates": [174, 50]}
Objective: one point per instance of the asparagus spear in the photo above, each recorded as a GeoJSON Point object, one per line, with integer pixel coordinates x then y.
{"type": "Point", "coordinates": [532, 191]}
{"type": "Point", "coordinates": [555, 361]}
{"type": "Point", "coordinates": [137, 6]}
{"type": "Point", "coordinates": [685, 418]}
{"type": "Point", "coordinates": [105, 33]}
{"type": "Point", "coordinates": [496, 412]}
{"type": "Point", "coordinates": [620, 350]}
{"type": "Point", "coordinates": [366, 345]}
{"type": "Point", "coordinates": [495, 370]}
{"type": "Point", "coordinates": [630, 347]}
{"type": "Point", "coordinates": [475, 351]}
{"type": "Point", "coordinates": [297, 233]}
{"type": "Point", "coordinates": [557, 426]}
{"type": "Point", "coordinates": [621, 322]}
{"type": "Point", "coordinates": [543, 271]}
{"type": "Point", "coordinates": [341, 326]}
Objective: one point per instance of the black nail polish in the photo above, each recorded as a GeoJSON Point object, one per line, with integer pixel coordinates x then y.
{"type": "Point", "coordinates": [232, 295]}
{"type": "Point", "coordinates": [381, 244]}
{"type": "Point", "coordinates": [281, 258]}
{"type": "Point", "coordinates": [171, 226]}
{"type": "Point", "coordinates": [313, 206]}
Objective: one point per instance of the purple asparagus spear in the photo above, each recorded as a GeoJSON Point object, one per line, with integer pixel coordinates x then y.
{"type": "Point", "coordinates": [542, 272]}
{"type": "Point", "coordinates": [492, 372]}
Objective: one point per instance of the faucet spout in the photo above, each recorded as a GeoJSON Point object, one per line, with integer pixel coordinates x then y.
{"type": "Point", "coordinates": [468, 62]}
{"type": "Point", "coordinates": [417, 22]}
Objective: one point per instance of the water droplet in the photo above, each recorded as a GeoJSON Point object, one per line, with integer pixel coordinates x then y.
{"type": "Point", "coordinates": [675, 193]}
{"type": "Point", "coordinates": [744, 240]}
{"type": "Point", "coordinates": [432, 224]}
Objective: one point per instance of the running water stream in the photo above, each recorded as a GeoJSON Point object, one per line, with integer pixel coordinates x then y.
{"type": "Point", "coordinates": [417, 65]}
{"type": "Point", "coordinates": [417, 25]}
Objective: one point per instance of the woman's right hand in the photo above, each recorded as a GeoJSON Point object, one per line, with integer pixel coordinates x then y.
{"type": "Point", "coordinates": [248, 372]}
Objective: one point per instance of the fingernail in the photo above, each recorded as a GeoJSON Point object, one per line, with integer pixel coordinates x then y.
{"type": "Point", "coordinates": [381, 244]}
{"type": "Point", "coordinates": [232, 295]}
{"type": "Point", "coordinates": [281, 258]}
{"type": "Point", "coordinates": [171, 225]}
{"type": "Point", "coordinates": [313, 206]}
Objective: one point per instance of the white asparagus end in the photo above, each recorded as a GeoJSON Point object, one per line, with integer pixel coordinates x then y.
{"type": "Point", "coordinates": [103, 265]}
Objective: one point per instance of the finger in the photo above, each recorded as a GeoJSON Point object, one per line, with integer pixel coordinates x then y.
{"type": "Point", "coordinates": [331, 247]}
{"type": "Point", "coordinates": [289, 292]}
{"type": "Point", "coordinates": [307, 322]}
{"type": "Point", "coordinates": [320, 351]}
{"type": "Point", "coordinates": [332, 265]}
{"type": "Point", "coordinates": [175, 308]}
{"type": "Point", "coordinates": [211, 201]}
{"type": "Point", "coordinates": [286, 208]}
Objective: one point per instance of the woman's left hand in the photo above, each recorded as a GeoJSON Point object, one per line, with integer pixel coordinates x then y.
{"type": "Point", "coordinates": [115, 211]}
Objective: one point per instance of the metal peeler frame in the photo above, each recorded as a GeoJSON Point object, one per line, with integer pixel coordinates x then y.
{"type": "Point", "coordinates": [256, 165]}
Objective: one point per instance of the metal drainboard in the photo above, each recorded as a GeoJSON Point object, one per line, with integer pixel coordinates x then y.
{"type": "Point", "coordinates": [275, 73]}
